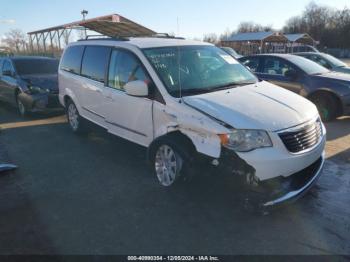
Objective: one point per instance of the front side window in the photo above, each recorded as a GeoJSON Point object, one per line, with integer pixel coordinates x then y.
{"type": "Point", "coordinates": [95, 62]}
{"type": "Point", "coordinates": [71, 60]}
{"type": "Point", "coordinates": [252, 63]}
{"type": "Point", "coordinates": [190, 70]}
{"type": "Point", "coordinates": [124, 68]}
{"type": "Point", "coordinates": [36, 66]}
{"type": "Point", "coordinates": [276, 66]}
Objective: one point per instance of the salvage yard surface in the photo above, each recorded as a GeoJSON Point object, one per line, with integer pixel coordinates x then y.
{"type": "Point", "coordinates": [95, 195]}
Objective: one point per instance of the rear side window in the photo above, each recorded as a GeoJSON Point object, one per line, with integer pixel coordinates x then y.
{"type": "Point", "coordinates": [95, 62]}
{"type": "Point", "coordinates": [71, 60]}
{"type": "Point", "coordinates": [276, 66]}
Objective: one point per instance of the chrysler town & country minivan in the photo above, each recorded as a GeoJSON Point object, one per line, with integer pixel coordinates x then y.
{"type": "Point", "coordinates": [193, 105]}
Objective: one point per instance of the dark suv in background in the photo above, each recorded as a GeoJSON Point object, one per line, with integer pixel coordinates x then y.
{"type": "Point", "coordinates": [329, 91]}
{"type": "Point", "coordinates": [29, 83]}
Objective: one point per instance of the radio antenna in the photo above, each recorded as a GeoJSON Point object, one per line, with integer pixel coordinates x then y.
{"type": "Point", "coordinates": [179, 60]}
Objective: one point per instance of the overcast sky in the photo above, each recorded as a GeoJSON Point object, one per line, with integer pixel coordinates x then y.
{"type": "Point", "coordinates": [196, 17]}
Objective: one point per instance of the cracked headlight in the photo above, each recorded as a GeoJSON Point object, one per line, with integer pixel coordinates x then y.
{"type": "Point", "coordinates": [245, 140]}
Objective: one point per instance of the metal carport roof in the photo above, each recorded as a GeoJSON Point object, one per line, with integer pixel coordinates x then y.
{"type": "Point", "coordinates": [257, 36]}
{"type": "Point", "coordinates": [302, 38]}
{"type": "Point", "coordinates": [111, 25]}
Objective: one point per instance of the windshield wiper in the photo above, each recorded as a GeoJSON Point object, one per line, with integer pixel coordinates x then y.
{"type": "Point", "coordinates": [193, 91]}
{"type": "Point", "coordinates": [232, 85]}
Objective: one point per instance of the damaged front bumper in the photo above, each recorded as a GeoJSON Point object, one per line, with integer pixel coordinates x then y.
{"type": "Point", "coordinates": [41, 102]}
{"type": "Point", "coordinates": [272, 192]}
{"type": "Point", "coordinates": [287, 190]}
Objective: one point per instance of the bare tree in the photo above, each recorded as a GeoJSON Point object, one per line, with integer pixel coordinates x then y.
{"type": "Point", "coordinates": [226, 34]}
{"type": "Point", "coordinates": [211, 38]}
{"type": "Point", "coordinates": [15, 40]}
{"type": "Point", "coordinates": [248, 27]}
{"type": "Point", "coordinates": [329, 26]}
{"type": "Point", "coordinates": [67, 36]}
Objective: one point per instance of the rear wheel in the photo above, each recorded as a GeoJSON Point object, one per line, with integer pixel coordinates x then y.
{"type": "Point", "coordinates": [75, 121]}
{"type": "Point", "coordinates": [326, 105]}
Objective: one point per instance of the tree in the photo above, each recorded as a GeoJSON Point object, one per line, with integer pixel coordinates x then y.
{"type": "Point", "coordinates": [15, 40]}
{"type": "Point", "coordinates": [211, 38]}
{"type": "Point", "coordinates": [329, 26]}
{"type": "Point", "coordinates": [249, 27]}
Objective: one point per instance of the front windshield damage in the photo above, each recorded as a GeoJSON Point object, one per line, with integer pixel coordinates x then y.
{"type": "Point", "coordinates": [190, 70]}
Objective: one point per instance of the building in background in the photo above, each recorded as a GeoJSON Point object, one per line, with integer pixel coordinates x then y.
{"type": "Point", "coordinates": [267, 42]}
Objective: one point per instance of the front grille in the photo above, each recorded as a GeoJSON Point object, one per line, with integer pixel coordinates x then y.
{"type": "Point", "coordinates": [302, 139]}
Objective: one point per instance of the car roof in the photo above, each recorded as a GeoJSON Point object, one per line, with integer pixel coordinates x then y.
{"type": "Point", "coordinates": [17, 58]}
{"type": "Point", "coordinates": [308, 53]}
{"type": "Point", "coordinates": [143, 42]}
{"type": "Point", "coordinates": [286, 56]}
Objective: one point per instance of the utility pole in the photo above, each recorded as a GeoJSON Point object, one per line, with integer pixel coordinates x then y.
{"type": "Point", "coordinates": [84, 13]}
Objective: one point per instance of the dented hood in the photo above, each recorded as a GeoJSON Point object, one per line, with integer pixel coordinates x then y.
{"type": "Point", "coordinates": [259, 106]}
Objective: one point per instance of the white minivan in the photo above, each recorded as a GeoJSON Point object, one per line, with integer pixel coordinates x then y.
{"type": "Point", "coordinates": [196, 109]}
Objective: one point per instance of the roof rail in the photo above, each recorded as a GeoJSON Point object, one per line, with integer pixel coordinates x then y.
{"type": "Point", "coordinates": [166, 35]}
{"type": "Point", "coordinates": [103, 37]}
{"type": "Point", "coordinates": [126, 38]}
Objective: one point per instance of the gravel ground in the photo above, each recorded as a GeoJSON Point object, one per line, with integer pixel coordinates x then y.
{"type": "Point", "coordinates": [95, 195]}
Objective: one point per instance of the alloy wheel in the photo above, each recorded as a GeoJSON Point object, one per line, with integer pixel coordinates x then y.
{"type": "Point", "coordinates": [167, 165]}
{"type": "Point", "coordinates": [21, 108]}
{"type": "Point", "coordinates": [73, 117]}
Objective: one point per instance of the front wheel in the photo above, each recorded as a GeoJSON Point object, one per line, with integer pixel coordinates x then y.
{"type": "Point", "coordinates": [20, 107]}
{"type": "Point", "coordinates": [168, 163]}
{"type": "Point", "coordinates": [326, 105]}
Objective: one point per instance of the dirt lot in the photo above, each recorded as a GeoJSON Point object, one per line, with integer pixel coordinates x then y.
{"type": "Point", "coordinates": [95, 195]}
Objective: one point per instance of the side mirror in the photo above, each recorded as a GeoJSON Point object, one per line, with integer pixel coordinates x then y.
{"type": "Point", "coordinates": [7, 73]}
{"type": "Point", "coordinates": [291, 74]}
{"type": "Point", "coordinates": [137, 88]}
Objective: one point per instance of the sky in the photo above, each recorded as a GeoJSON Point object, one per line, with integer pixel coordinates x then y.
{"type": "Point", "coordinates": [188, 18]}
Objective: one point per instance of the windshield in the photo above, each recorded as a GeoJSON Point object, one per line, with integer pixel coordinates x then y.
{"type": "Point", "coordinates": [335, 61]}
{"type": "Point", "coordinates": [36, 66]}
{"type": "Point", "coordinates": [189, 70]}
{"type": "Point", "coordinates": [308, 66]}
{"type": "Point", "coordinates": [230, 51]}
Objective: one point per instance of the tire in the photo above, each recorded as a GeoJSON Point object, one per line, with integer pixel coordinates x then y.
{"type": "Point", "coordinates": [75, 121]}
{"type": "Point", "coordinates": [169, 162]}
{"type": "Point", "coordinates": [327, 106]}
{"type": "Point", "coordinates": [20, 107]}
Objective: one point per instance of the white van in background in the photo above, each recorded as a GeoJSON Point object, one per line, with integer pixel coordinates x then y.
{"type": "Point", "coordinates": [195, 108]}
